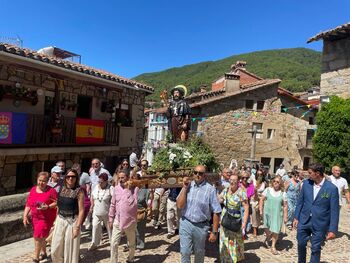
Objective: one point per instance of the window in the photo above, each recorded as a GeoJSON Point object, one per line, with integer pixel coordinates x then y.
{"type": "Point", "coordinates": [306, 163]}
{"type": "Point", "coordinates": [258, 127]}
{"type": "Point", "coordinates": [249, 104]}
{"type": "Point", "coordinates": [283, 109]}
{"type": "Point", "coordinates": [266, 161]}
{"type": "Point", "coordinates": [278, 162]}
{"type": "Point", "coordinates": [123, 115]}
{"type": "Point", "coordinates": [311, 120]}
{"type": "Point", "coordinates": [309, 135]}
{"type": "Point", "coordinates": [260, 105]}
{"type": "Point", "coordinates": [84, 107]}
{"type": "Point", "coordinates": [24, 175]}
{"type": "Point", "coordinates": [270, 134]}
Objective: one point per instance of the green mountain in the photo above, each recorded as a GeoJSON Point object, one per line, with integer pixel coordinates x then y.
{"type": "Point", "coordinates": [298, 68]}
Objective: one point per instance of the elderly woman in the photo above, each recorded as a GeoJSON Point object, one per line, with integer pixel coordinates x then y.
{"type": "Point", "coordinates": [231, 243]}
{"type": "Point", "coordinates": [259, 187]}
{"type": "Point", "coordinates": [100, 201]}
{"type": "Point", "coordinates": [271, 203]}
{"type": "Point", "coordinates": [41, 205]}
{"type": "Point", "coordinates": [66, 236]}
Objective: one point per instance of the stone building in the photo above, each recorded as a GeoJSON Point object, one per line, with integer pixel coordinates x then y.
{"type": "Point", "coordinates": [156, 124]}
{"type": "Point", "coordinates": [240, 101]}
{"type": "Point", "coordinates": [335, 73]}
{"type": "Point", "coordinates": [69, 112]}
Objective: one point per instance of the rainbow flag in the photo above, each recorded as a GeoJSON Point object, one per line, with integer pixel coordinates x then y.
{"type": "Point", "coordinates": [89, 131]}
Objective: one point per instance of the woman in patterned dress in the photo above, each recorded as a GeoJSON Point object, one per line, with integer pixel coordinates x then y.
{"type": "Point", "coordinates": [292, 189]}
{"type": "Point", "coordinates": [231, 243]}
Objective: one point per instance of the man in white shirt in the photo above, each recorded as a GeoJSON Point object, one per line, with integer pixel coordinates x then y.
{"type": "Point", "coordinates": [281, 171]}
{"type": "Point", "coordinates": [341, 184]}
{"type": "Point", "coordinates": [96, 171]}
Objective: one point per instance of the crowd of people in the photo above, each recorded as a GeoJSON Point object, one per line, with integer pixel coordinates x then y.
{"type": "Point", "coordinates": [65, 202]}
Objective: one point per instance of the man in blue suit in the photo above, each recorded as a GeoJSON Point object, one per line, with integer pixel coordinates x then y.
{"type": "Point", "coordinates": [317, 213]}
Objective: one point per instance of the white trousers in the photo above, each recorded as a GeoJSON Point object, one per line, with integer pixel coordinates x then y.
{"type": "Point", "coordinates": [97, 228]}
{"type": "Point", "coordinates": [65, 249]}
{"type": "Point", "coordinates": [130, 233]}
{"type": "Point", "coordinates": [172, 216]}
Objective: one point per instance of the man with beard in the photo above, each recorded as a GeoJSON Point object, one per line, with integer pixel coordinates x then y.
{"type": "Point", "coordinates": [179, 115]}
{"type": "Point", "coordinates": [316, 214]}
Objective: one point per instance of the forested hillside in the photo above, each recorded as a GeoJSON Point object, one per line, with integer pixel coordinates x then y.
{"type": "Point", "coordinates": [298, 68]}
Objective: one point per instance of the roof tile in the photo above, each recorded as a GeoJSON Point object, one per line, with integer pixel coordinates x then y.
{"type": "Point", "coordinates": [31, 54]}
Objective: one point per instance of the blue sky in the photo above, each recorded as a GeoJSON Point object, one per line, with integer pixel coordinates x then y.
{"type": "Point", "coordinates": [130, 37]}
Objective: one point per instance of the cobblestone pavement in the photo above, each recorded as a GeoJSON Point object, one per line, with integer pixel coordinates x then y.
{"type": "Point", "coordinates": [161, 249]}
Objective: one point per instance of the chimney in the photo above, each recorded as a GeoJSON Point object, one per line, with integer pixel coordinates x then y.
{"type": "Point", "coordinates": [231, 82]}
{"type": "Point", "coordinates": [238, 65]}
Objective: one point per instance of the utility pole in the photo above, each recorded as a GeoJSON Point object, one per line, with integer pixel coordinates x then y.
{"type": "Point", "coordinates": [254, 131]}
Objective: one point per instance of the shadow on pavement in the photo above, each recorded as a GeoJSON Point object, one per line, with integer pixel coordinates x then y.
{"type": "Point", "coordinates": [284, 245]}
{"type": "Point", "coordinates": [251, 257]}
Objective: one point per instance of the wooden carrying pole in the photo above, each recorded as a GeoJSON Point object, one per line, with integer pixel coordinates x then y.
{"type": "Point", "coordinates": [169, 178]}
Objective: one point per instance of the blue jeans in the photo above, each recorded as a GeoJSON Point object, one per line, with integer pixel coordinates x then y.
{"type": "Point", "coordinates": [192, 237]}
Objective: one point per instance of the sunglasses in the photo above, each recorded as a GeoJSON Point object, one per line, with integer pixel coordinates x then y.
{"type": "Point", "coordinates": [276, 181]}
{"type": "Point", "coordinates": [125, 164]}
{"type": "Point", "coordinates": [143, 165]}
{"type": "Point", "coordinates": [70, 177]}
{"type": "Point", "coordinates": [198, 172]}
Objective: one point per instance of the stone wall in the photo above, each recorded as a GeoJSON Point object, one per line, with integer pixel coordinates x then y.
{"type": "Point", "coordinates": [335, 77]}
{"type": "Point", "coordinates": [11, 224]}
{"type": "Point", "coordinates": [227, 124]}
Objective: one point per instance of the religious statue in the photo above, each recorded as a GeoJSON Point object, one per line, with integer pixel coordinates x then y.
{"type": "Point", "coordinates": [179, 114]}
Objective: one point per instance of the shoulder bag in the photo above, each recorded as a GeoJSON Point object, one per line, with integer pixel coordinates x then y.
{"type": "Point", "coordinates": [231, 222]}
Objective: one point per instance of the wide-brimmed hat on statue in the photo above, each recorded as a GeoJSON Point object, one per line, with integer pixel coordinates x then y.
{"type": "Point", "coordinates": [181, 88]}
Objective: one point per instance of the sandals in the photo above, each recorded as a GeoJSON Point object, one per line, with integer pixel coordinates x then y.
{"type": "Point", "coordinates": [266, 243]}
{"type": "Point", "coordinates": [274, 251]}
{"type": "Point", "coordinates": [42, 256]}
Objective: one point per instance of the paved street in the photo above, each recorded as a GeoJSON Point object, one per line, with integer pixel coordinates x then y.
{"type": "Point", "coordinates": [161, 249]}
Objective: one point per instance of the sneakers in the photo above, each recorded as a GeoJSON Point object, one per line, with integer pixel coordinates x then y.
{"type": "Point", "coordinates": [92, 247]}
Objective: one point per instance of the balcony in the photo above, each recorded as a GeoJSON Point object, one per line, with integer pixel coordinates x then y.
{"type": "Point", "coordinates": [40, 132]}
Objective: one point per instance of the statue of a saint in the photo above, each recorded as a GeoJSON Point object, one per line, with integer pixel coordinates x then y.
{"type": "Point", "coordinates": [179, 114]}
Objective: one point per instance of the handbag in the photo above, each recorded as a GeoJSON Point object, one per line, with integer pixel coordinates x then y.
{"type": "Point", "coordinates": [141, 214]}
{"type": "Point", "coordinates": [231, 222]}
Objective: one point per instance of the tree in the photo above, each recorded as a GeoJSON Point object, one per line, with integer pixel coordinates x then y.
{"type": "Point", "coordinates": [332, 138]}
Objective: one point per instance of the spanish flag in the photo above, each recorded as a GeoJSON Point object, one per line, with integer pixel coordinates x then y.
{"type": "Point", "coordinates": [89, 131]}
